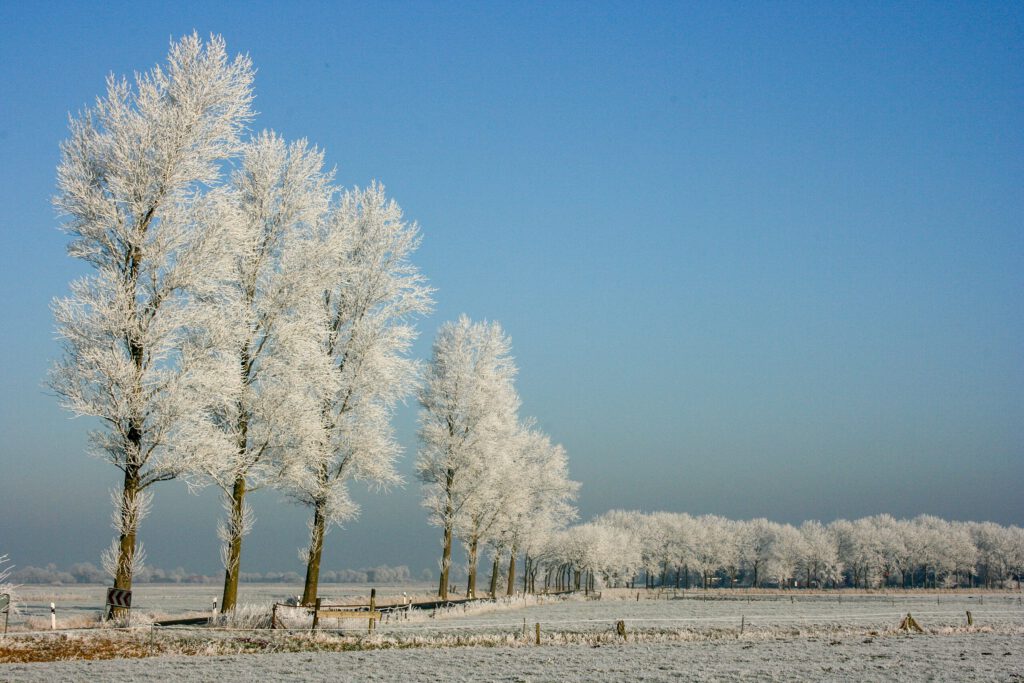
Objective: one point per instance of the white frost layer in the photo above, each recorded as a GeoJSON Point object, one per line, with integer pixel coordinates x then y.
{"type": "Point", "coordinates": [964, 657]}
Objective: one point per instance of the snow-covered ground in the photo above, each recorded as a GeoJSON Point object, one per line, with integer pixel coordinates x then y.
{"type": "Point", "coordinates": [966, 657]}
{"type": "Point", "coordinates": [719, 612]}
{"type": "Point", "coordinates": [728, 636]}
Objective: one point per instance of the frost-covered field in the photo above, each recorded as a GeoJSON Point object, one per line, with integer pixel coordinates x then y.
{"type": "Point", "coordinates": [728, 636]}
{"type": "Point", "coordinates": [959, 658]}
{"type": "Point", "coordinates": [722, 612]}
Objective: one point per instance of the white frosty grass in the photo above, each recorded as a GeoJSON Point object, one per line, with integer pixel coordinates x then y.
{"type": "Point", "coordinates": [696, 611]}
{"type": "Point", "coordinates": [825, 636]}
{"type": "Point", "coordinates": [690, 615]}
{"type": "Point", "coordinates": [962, 657]}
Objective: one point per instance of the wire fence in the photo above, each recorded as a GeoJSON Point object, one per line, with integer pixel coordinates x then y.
{"type": "Point", "coordinates": [1012, 617]}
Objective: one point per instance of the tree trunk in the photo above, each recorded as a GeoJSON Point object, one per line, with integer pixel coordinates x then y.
{"type": "Point", "coordinates": [129, 529]}
{"type": "Point", "coordinates": [236, 527]}
{"type": "Point", "coordinates": [511, 583]}
{"type": "Point", "coordinates": [316, 547]}
{"type": "Point", "coordinates": [446, 562]}
{"type": "Point", "coordinates": [446, 553]}
{"type": "Point", "coordinates": [494, 576]}
{"type": "Point", "coordinates": [231, 572]}
{"type": "Point", "coordinates": [133, 455]}
{"type": "Point", "coordinates": [471, 582]}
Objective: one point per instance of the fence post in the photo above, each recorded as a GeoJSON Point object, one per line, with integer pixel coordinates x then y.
{"type": "Point", "coordinates": [970, 618]}
{"type": "Point", "coordinates": [538, 633]}
{"type": "Point", "coordinates": [373, 608]}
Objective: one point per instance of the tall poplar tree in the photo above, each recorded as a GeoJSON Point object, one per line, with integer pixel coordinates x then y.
{"type": "Point", "coordinates": [369, 294]}
{"type": "Point", "coordinates": [132, 182]}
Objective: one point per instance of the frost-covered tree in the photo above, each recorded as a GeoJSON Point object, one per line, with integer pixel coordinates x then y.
{"type": "Point", "coordinates": [370, 292]}
{"type": "Point", "coordinates": [870, 551]}
{"type": "Point", "coordinates": [538, 497]}
{"type": "Point", "coordinates": [259, 318]}
{"type": "Point", "coordinates": [819, 557]}
{"type": "Point", "coordinates": [634, 525]}
{"type": "Point", "coordinates": [132, 186]}
{"type": "Point", "coordinates": [1015, 562]}
{"type": "Point", "coordinates": [892, 546]}
{"type": "Point", "coordinates": [476, 521]}
{"type": "Point", "coordinates": [756, 541]}
{"type": "Point", "coordinates": [494, 523]}
{"type": "Point", "coordinates": [469, 405]}
{"type": "Point", "coordinates": [864, 548]}
{"type": "Point", "coordinates": [712, 546]}
{"type": "Point", "coordinates": [997, 548]}
{"type": "Point", "coordinates": [623, 553]}
{"type": "Point", "coordinates": [963, 554]}
{"type": "Point", "coordinates": [597, 553]}
{"type": "Point", "coordinates": [789, 548]}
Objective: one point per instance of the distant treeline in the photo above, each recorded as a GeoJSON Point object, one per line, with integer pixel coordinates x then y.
{"type": "Point", "coordinates": [86, 572]}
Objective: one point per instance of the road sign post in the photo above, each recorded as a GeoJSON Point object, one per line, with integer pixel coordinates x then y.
{"type": "Point", "coordinates": [118, 598]}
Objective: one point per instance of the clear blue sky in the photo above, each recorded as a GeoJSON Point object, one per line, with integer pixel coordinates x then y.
{"type": "Point", "coordinates": [755, 259]}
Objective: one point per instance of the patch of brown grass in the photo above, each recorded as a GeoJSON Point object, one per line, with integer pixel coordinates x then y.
{"type": "Point", "coordinates": [59, 648]}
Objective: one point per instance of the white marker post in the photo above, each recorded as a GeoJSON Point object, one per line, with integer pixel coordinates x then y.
{"type": "Point", "coordinates": [213, 614]}
{"type": "Point", "coordinates": [53, 617]}
{"type": "Point", "coordinates": [5, 607]}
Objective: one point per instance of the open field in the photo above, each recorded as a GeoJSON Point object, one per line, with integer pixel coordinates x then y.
{"type": "Point", "coordinates": [730, 635]}
{"type": "Point", "coordinates": [966, 657]}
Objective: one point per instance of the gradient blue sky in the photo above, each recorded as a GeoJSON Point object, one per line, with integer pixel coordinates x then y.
{"type": "Point", "coordinates": [755, 259]}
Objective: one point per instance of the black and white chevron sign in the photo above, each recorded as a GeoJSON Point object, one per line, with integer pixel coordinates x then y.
{"type": "Point", "coordinates": [119, 598]}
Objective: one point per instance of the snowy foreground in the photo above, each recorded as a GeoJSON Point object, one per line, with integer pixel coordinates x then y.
{"type": "Point", "coordinates": [727, 636]}
{"type": "Point", "coordinates": [960, 658]}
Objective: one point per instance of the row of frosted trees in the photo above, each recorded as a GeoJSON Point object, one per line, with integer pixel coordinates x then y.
{"type": "Point", "coordinates": [678, 550]}
{"type": "Point", "coordinates": [247, 324]}
{"type": "Point", "coordinates": [490, 479]}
